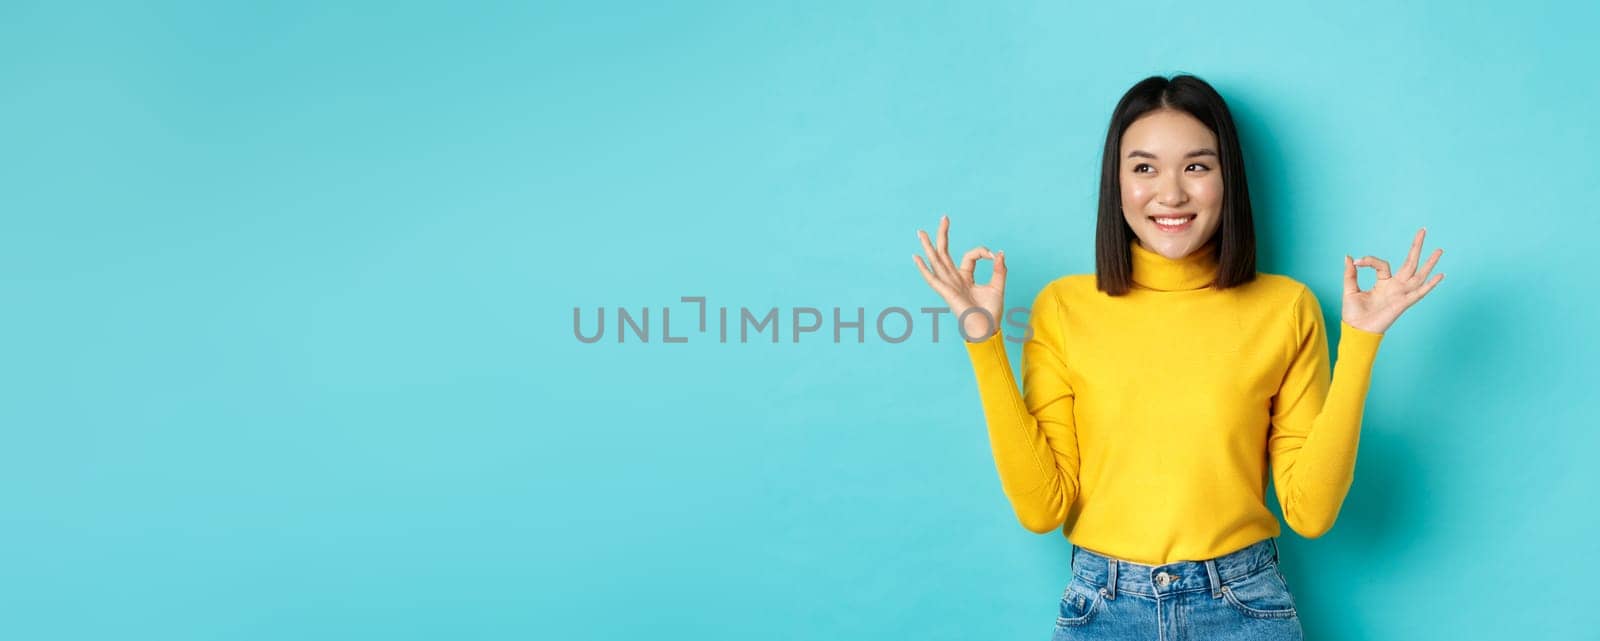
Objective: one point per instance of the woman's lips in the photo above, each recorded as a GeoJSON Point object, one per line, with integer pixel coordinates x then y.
{"type": "Point", "coordinates": [1189, 222]}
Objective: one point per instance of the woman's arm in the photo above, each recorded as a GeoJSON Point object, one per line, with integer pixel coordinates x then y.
{"type": "Point", "coordinates": [1034, 439]}
{"type": "Point", "coordinates": [1032, 434]}
{"type": "Point", "coordinates": [1316, 424]}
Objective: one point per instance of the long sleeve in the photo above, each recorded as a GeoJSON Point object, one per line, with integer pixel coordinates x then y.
{"type": "Point", "coordinates": [1032, 434]}
{"type": "Point", "coordinates": [1316, 424]}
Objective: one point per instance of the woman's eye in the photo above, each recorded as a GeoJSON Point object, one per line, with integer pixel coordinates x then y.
{"type": "Point", "coordinates": [1138, 169]}
{"type": "Point", "coordinates": [1202, 167]}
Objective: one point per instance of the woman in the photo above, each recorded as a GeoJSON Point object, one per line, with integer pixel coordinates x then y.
{"type": "Point", "coordinates": [1159, 392]}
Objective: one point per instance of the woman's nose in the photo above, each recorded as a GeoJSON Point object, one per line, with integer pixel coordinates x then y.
{"type": "Point", "coordinates": [1171, 196]}
{"type": "Point", "coordinates": [1170, 192]}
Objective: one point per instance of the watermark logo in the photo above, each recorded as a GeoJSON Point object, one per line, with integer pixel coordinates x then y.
{"type": "Point", "coordinates": [891, 324]}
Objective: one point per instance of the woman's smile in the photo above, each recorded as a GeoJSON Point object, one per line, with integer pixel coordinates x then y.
{"type": "Point", "coordinates": [1174, 224]}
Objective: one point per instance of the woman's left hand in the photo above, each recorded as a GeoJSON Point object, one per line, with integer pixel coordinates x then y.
{"type": "Point", "coordinates": [1376, 309]}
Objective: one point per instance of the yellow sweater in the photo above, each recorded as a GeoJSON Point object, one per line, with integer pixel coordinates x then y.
{"type": "Point", "coordinates": [1148, 422]}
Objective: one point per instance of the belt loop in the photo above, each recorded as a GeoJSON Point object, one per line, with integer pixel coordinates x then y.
{"type": "Point", "coordinates": [1216, 581]}
{"type": "Point", "coordinates": [1274, 541]}
{"type": "Point", "coordinates": [1111, 578]}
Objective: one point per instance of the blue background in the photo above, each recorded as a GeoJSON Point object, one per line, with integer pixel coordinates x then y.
{"type": "Point", "coordinates": [288, 293]}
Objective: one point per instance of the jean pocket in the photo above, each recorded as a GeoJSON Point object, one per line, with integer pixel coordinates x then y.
{"type": "Point", "coordinates": [1079, 602]}
{"type": "Point", "coordinates": [1262, 595]}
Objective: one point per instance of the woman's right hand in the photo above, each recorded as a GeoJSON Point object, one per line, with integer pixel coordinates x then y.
{"type": "Point", "coordinates": [957, 288]}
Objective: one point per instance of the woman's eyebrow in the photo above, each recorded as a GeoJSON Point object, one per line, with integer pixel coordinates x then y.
{"type": "Point", "coordinates": [1204, 151]}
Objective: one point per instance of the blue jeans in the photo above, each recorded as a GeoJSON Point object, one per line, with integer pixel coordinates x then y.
{"type": "Point", "coordinates": [1240, 595]}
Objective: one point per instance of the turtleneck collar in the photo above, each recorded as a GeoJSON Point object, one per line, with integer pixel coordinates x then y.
{"type": "Point", "coordinates": [1154, 271]}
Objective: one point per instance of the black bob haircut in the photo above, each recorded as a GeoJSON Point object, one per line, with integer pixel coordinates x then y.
{"type": "Point", "coordinates": [1236, 235]}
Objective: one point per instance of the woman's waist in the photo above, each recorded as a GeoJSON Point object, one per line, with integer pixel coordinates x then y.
{"type": "Point", "coordinates": [1174, 576]}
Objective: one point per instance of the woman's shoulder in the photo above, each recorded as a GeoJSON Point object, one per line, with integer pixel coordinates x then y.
{"type": "Point", "coordinates": [1282, 284]}
{"type": "Point", "coordinates": [1070, 286]}
{"type": "Point", "coordinates": [1278, 291]}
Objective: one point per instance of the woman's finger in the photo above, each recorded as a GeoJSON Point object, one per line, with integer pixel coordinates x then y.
{"type": "Point", "coordinates": [944, 233]}
{"type": "Point", "coordinates": [923, 268]}
{"type": "Point", "coordinates": [934, 264]}
{"type": "Point", "coordinates": [1376, 263]}
{"type": "Point", "coordinates": [1413, 255]}
{"type": "Point", "coordinates": [999, 277]}
{"type": "Point", "coordinates": [1418, 293]}
{"type": "Point", "coordinates": [969, 261]}
{"type": "Point", "coordinates": [1422, 274]}
{"type": "Point", "coordinates": [944, 243]}
{"type": "Point", "coordinates": [937, 285]}
{"type": "Point", "coordinates": [1350, 286]}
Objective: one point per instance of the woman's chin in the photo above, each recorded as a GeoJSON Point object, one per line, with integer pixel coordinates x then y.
{"type": "Point", "coordinates": [1167, 244]}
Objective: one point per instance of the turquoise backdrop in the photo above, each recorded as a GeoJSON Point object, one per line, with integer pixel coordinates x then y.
{"type": "Point", "coordinates": [288, 345]}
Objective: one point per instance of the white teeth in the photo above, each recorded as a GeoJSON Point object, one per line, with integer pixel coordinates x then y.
{"type": "Point", "coordinates": [1172, 222]}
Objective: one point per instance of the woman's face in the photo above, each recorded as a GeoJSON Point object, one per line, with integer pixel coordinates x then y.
{"type": "Point", "coordinates": [1169, 168]}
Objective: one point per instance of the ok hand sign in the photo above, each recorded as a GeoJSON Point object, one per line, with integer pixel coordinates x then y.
{"type": "Point", "coordinates": [957, 286]}
{"type": "Point", "coordinates": [1376, 309]}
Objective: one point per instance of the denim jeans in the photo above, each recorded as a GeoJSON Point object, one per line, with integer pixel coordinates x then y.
{"type": "Point", "coordinates": [1240, 595]}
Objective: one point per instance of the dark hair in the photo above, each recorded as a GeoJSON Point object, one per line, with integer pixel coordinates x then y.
{"type": "Point", "coordinates": [1236, 235]}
